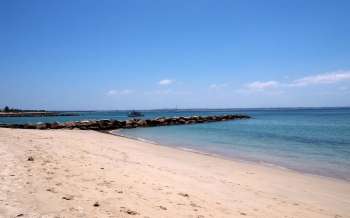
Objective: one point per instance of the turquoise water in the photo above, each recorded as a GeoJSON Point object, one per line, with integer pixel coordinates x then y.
{"type": "Point", "coordinates": [313, 141]}
{"type": "Point", "coordinates": [310, 141]}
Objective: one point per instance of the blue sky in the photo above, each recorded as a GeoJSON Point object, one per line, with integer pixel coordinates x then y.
{"type": "Point", "coordinates": [162, 54]}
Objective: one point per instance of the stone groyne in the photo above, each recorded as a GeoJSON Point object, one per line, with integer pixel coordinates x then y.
{"type": "Point", "coordinates": [133, 123]}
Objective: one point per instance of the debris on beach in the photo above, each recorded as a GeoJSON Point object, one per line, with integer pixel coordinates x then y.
{"type": "Point", "coordinates": [68, 197]}
{"type": "Point", "coordinates": [183, 194]}
{"type": "Point", "coordinates": [128, 211]}
{"type": "Point", "coordinates": [162, 207]}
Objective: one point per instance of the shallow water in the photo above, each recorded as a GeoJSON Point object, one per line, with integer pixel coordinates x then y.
{"type": "Point", "coordinates": [311, 141]}
{"type": "Point", "coordinates": [314, 141]}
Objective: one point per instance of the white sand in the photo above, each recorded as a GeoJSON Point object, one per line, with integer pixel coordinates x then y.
{"type": "Point", "coordinates": [126, 176]}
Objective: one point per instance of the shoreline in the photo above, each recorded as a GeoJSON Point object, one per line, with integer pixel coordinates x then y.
{"type": "Point", "coordinates": [72, 171]}
{"type": "Point", "coordinates": [36, 114]}
{"type": "Point", "coordinates": [229, 158]}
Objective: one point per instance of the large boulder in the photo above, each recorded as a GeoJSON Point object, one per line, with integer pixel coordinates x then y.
{"type": "Point", "coordinates": [130, 124]}
{"type": "Point", "coordinates": [142, 123]}
{"type": "Point", "coordinates": [53, 125]}
{"type": "Point", "coordinates": [69, 125]}
{"type": "Point", "coordinates": [41, 125]}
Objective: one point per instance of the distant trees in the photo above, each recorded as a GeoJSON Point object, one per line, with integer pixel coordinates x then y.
{"type": "Point", "coordinates": [8, 109]}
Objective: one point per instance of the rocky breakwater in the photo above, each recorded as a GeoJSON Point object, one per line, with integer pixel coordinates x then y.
{"type": "Point", "coordinates": [101, 125]}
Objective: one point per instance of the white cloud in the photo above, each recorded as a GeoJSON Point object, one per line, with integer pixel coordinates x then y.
{"type": "Point", "coordinates": [166, 82]}
{"type": "Point", "coordinates": [327, 78]}
{"type": "Point", "coordinates": [167, 92]}
{"type": "Point", "coordinates": [218, 86]}
{"type": "Point", "coordinates": [261, 86]}
{"type": "Point", "coordinates": [120, 92]}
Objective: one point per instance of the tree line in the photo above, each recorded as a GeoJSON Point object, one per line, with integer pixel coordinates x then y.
{"type": "Point", "coordinates": [8, 109]}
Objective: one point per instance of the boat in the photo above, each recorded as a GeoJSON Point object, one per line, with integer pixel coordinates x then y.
{"type": "Point", "coordinates": [135, 114]}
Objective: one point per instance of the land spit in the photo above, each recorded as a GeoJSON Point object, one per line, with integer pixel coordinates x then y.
{"type": "Point", "coordinates": [132, 123]}
{"type": "Point", "coordinates": [36, 114]}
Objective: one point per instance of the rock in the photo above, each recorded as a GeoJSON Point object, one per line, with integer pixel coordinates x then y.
{"type": "Point", "coordinates": [142, 123]}
{"type": "Point", "coordinates": [30, 158]}
{"type": "Point", "coordinates": [69, 125]}
{"type": "Point", "coordinates": [133, 123]}
{"type": "Point", "coordinates": [54, 125]}
{"type": "Point", "coordinates": [96, 204]}
{"type": "Point", "coordinates": [104, 124]}
{"type": "Point", "coordinates": [130, 124]}
{"type": "Point", "coordinates": [41, 125]}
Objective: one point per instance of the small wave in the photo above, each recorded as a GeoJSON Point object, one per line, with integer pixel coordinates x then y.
{"type": "Point", "coordinates": [196, 151]}
{"type": "Point", "coordinates": [118, 133]}
{"type": "Point", "coordinates": [144, 140]}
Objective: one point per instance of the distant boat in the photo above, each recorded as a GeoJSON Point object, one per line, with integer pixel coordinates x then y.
{"type": "Point", "coordinates": [135, 114]}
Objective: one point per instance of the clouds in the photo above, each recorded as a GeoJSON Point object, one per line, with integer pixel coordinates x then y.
{"type": "Point", "coordinates": [114, 92]}
{"type": "Point", "coordinates": [261, 86]}
{"type": "Point", "coordinates": [166, 82]}
{"type": "Point", "coordinates": [218, 86]}
{"type": "Point", "coordinates": [327, 78]}
{"type": "Point", "coordinates": [319, 79]}
{"type": "Point", "coordinates": [313, 90]}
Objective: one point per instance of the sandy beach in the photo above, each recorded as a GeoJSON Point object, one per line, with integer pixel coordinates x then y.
{"type": "Point", "coordinates": [75, 173]}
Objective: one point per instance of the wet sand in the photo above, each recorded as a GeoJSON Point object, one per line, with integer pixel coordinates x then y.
{"type": "Point", "coordinates": [74, 173]}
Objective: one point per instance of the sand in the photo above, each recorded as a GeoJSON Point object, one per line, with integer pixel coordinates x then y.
{"type": "Point", "coordinates": [74, 173]}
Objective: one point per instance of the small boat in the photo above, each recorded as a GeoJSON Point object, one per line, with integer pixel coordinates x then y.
{"type": "Point", "coordinates": [135, 114]}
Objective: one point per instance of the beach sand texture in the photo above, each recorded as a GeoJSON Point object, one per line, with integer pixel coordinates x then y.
{"type": "Point", "coordinates": [74, 173]}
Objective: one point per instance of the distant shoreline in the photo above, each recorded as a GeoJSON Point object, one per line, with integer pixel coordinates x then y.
{"type": "Point", "coordinates": [203, 109]}
{"type": "Point", "coordinates": [36, 114]}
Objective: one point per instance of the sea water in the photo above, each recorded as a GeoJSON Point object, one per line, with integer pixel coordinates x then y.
{"type": "Point", "coordinates": [313, 141]}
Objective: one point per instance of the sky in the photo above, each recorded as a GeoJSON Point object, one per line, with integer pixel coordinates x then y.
{"type": "Point", "coordinates": [148, 54]}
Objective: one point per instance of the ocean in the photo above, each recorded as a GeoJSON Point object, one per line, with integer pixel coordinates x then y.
{"type": "Point", "coordinates": [315, 141]}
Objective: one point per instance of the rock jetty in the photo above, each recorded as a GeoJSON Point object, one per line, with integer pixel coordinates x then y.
{"type": "Point", "coordinates": [100, 125]}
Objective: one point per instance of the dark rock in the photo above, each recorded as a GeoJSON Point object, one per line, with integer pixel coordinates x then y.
{"type": "Point", "coordinates": [41, 126]}
{"type": "Point", "coordinates": [133, 123]}
{"type": "Point", "coordinates": [30, 158]}
{"type": "Point", "coordinates": [142, 123]}
{"type": "Point", "coordinates": [69, 125]}
{"type": "Point", "coordinates": [54, 125]}
{"type": "Point", "coordinates": [130, 124]}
